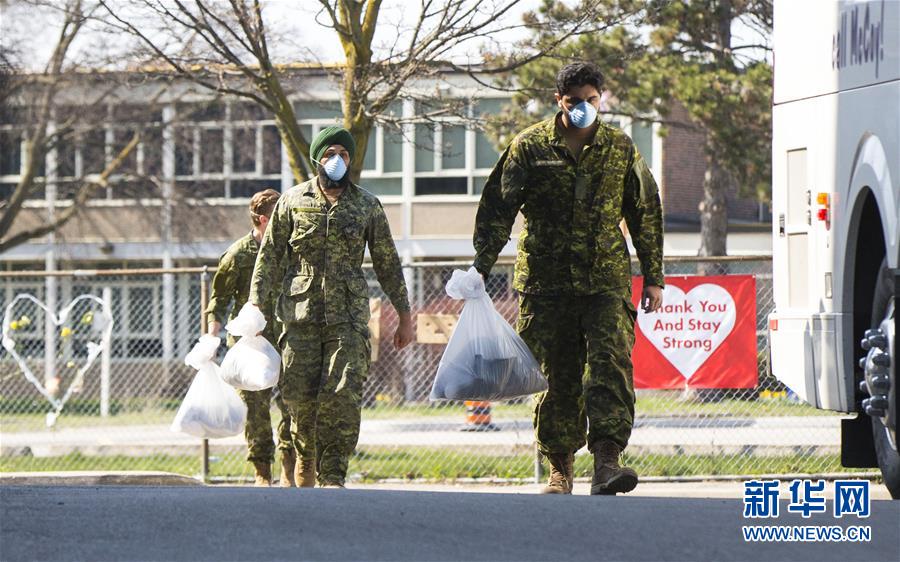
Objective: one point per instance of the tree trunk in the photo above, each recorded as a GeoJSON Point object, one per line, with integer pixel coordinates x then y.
{"type": "Point", "coordinates": [714, 208]}
{"type": "Point", "coordinates": [296, 147]}
{"type": "Point", "coordinates": [355, 119]}
{"type": "Point", "coordinates": [360, 129]}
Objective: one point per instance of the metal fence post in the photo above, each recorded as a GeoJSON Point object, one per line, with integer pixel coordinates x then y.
{"type": "Point", "coordinates": [538, 467]}
{"type": "Point", "coordinates": [204, 297]}
{"type": "Point", "coordinates": [105, 360]}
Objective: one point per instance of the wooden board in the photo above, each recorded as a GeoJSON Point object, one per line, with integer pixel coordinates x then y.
{"type": "Point", "coordinates": [435, 328]}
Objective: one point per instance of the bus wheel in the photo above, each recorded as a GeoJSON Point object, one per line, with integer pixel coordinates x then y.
{"type": "Point", "coordinates": [881, 381]}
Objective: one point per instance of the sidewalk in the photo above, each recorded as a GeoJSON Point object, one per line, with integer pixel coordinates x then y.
{"type": "Point", "coordinates": [704, 489]}
{"type": "Point", "coordinates": [751, 436]}
{"type": "Point", "coordinates": [97, 478]}
{"type": "Point", "coordinates": [700, 489]}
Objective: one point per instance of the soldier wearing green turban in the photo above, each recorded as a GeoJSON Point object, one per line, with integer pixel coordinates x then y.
{"type": "Point", "coordinates": [574, 178]}
{"type": "Point", "coordinates": [312, 255]}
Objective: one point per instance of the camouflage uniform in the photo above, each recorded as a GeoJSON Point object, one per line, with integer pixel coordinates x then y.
{"type": "Point", "coordinates": [231, 284]}
{"type": "Point", "coordinates": [573, 271]}
{"type": "Point", "coordinates": [312, 254]}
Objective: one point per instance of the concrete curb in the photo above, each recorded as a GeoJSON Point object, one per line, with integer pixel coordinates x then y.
{"type": "Point", "coordinates": [97, 478]}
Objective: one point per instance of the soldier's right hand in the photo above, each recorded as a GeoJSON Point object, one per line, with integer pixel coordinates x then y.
{"type": "Point", "coordinates": [404, 334]}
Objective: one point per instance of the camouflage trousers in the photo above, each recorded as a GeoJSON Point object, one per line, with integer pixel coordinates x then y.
{"type": "Point", "coordinates": [258, 429]}
{"type": "Point", "coordinates": [324, 368]}
{"type": "Point", "coordinates": [583, 344]}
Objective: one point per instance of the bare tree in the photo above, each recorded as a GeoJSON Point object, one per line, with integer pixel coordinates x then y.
{"type": "Point", "coordinates": [225, 48]}
{"type": "Point", "coordinates": [44, 128]}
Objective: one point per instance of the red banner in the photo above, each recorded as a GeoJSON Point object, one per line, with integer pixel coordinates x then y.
{"type": "Point", "coordinates": [703, 337]}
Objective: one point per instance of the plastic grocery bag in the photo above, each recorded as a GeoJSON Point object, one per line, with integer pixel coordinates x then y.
{"type": "Point", "coordinates": [210, 408]}
{"type": "Point", "coordinates": [252, 363]}
{"type": "Point", "coordinates": [485, 358]}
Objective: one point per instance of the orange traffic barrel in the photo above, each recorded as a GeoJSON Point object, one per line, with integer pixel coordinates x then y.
{"type": "Point", "coordinates": [478, 416]}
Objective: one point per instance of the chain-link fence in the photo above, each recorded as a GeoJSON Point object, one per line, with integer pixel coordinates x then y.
{"type": "Point", "coordinates": [118, 416]}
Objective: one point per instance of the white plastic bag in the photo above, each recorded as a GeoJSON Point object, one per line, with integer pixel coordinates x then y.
{"type": "Point", "coordinates": [210, 408]}
{"type": "Point", "coordinates": [485, 358]}
{"type": "Point", "coordinates": [252, 363]}
{"type": "Point", "coordinates": [249, 322]}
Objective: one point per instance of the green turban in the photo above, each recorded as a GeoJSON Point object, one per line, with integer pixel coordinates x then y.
{"type": "Point", "coordinates": [327, 137]}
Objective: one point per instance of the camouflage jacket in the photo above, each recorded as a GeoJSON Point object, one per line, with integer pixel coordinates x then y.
{"type": "Point", "coordinates": [312, 255]}
{"type": "Point", "coordinates": [231, 284]}
{"type": "Point", "coordinates": [571, 243]}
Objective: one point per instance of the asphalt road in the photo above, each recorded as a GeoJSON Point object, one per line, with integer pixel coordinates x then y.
{"type": "Point", "coordinates": [231, 523]}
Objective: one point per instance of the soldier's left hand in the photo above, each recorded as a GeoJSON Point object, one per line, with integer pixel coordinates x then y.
{"type": "Point", "coordinates": [651, 298]}
{"type": "Point", "coordinates": [404, 335]}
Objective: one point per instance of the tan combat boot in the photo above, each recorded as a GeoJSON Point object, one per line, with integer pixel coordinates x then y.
{"type": "Point", "coordinates": [288, 460]}
{"type": "Point", "coordinates": [305, 473]}
{"type": "Point", "coordinates": [263, 474]}
{"type": "Point", "coordinates": [562, 474]}
{"type": "Point", "coordinates": [610, 478]}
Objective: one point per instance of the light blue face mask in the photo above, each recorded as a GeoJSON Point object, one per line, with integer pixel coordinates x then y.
{"type": "Point", "coordinates": [583, 115]}
{"type": "Point", "coordinates": [335, 168]}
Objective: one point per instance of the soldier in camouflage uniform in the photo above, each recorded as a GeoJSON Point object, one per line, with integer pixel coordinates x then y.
{"type": "Point", "coordinates": [231, 287]}
{"type": "Point", "coordinates": [312, 256]}
{"type": "Point", "coordinates": [575, 178]}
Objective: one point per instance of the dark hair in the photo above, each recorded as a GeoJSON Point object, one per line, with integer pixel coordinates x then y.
{"type": "Point", "coordinates": [578, 74]}
{"type": "Point", "coordinates": [263, 203]}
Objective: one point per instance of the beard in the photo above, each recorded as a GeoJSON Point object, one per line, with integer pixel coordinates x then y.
{"type": "Point", "coordinates": [328, 183]}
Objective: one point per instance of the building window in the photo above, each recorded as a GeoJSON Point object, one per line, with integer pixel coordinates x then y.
{"type": "Point", "coordinates": [66, 160]}
{"type": "Point", "coordinates": [271, 150]}
{"type": "Point", "coordinates": [369, 163]}
{"type": "Point", "coordinates": [393, 149]}
{"type": "Point", "coordinates": [121, 138]}
{"type": "Point", "coordinates": [212, 159]}
{"type": "Point", "coordinates": [442, 186]}
{"type": "Point", "coordinates": [151, 146]}
{"type": "Point", "coordinates": [7, 190]}
{"type": "Point", "coordinates": [184, 151]}
{"type": "Point", "coordinates": [383, 186]}
{"type": "Point", "coordinates": [230, 150]}
{"type": "Point", "coordinates": [424, 147]}
{"type": "Point", "coordinates": [307, 110]}
{"type": "Point", "coordinates": [246, 188]}
{"type": "Point", "coordinates": [244, 150]}
{"type": "Point", "coordinates": [10, 152]}
{"type": "Point", "coordinates": [213, 110]}
{"type": "Point", "coordinates": [453, 147]}
{"type": "Point", "coordinates": [200, 188]}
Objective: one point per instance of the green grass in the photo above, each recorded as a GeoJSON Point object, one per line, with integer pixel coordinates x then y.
{"type": "Point", "coordinates": [649, 404]}
{"type": "Point", "coordinates": [671, 403]}
{"type": "Point", "coordinates": [77, 461]}
{"type": "Point", "coordinates": [498, 410]}
{"type": "Point", "coordinates": [36, 421]}
{"type": "Point", "coordinates": [441, 465]}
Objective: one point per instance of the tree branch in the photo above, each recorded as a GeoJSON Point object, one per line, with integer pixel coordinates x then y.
{"type": "Point", "coordinates": [84, 193]}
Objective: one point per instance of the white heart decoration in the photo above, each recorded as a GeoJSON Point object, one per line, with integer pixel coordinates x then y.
{"type": "Point", "coordinates": [93, 349]}
{"type": "Point", "coordinates": [689, 327]}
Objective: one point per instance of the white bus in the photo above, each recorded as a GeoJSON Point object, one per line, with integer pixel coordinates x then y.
{"type": "Point", "coordinates": [836, 218]}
